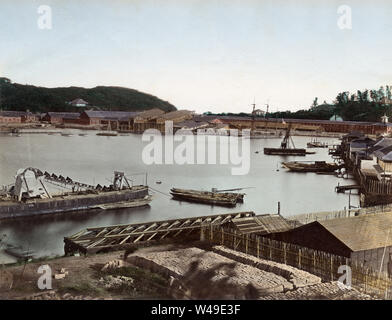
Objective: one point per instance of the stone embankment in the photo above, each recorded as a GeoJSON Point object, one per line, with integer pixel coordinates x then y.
{"type": "Point", "coordinates": [321, 291]}
{"type": "Point", "coordinates": [210, 270]}
{"type": "Point", "coordinates": [297, 277]}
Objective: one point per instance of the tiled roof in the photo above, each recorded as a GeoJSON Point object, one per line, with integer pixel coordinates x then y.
{"type": "Point", "coordinates": [380, 153]}
{"type": "Point", "coordinates": [78, 101]}
{"type": "Point", "coordinates": [364, 232]}
{"type": "Point", "coordinates": [191, 124]}
{"type": "Point", "coordinates": [175, 114]}
{"type": "Point", "coordinates": [64, 115]}
{"type": "Point", "coordinates": [150, 114]}
{"type": "Point", "coordinates": [111, 115]}
{"type": "Point", "coordinates": [15, 113]}
{"type": "Point", "coordinates": [262, 224]}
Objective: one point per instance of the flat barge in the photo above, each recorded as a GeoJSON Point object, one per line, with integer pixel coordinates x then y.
{"type": "Point", "coordinates": [284, 152]}
{"type": "Point", "coordinates": [226, 199]}
{"type": "Point", "coordinates": [31, 195]}
{"type": "Point", "coordinates": [285, 149]}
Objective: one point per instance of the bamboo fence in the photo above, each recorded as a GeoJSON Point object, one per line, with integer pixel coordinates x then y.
{"type": "Point", "coordinates": [320, 263]}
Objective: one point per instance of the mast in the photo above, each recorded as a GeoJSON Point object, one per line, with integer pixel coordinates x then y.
{"type": "Point", "coordinates": [285, 142]}
{"type": "Point", "coordinates": [253, 116]}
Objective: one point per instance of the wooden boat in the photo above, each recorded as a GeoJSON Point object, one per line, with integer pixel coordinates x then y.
{"type": "Point", "coordinates": [316, 166]}
{"type": "Point", "coordinates": [126, 204]}
{"type": "Point", "coordinates": [285, 152]}
{"type": "Point", "coordinates": [107, 133]}
{"type": "Point", "coordinates": [314, 143]}
{"type": "Point", "coordinates": [19, 253]}
{"type": "Point", "coordinates": [285, 149]}
{"type": "Point", "coordinates": [227, 199]}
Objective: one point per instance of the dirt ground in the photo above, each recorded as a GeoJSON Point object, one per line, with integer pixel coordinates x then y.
{"type": "Point", "coordinates": [80, 282]}
{"type": "Point", "coordinates": [166, 272]}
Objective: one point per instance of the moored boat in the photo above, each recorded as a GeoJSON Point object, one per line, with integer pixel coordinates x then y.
{"type": "Point", "coordinates": [36, 193]}
{"type": "Point", "coordinates": [314, 143]}
{"type": "Point", "coordinates": [227, 199]}
{"type": "Point", "coordinates": [316, 166]}
{"type": "Point", "coordinates": [285, 149]}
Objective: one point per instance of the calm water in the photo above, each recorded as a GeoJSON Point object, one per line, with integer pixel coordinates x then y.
{"type": "Point", "coordinates": [92, 159]}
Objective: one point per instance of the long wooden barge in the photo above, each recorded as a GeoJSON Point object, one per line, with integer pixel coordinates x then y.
{"type": "Point", "coordinates": [227, 199]}
{"type": "Point", "coordinates": [316, 166]}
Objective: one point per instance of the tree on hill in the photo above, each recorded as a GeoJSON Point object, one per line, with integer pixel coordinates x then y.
{"type": "Point", "coordinates": [16, 96]}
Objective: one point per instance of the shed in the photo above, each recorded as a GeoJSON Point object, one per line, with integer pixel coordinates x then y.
{"type": "Point", "coordinates": [60, 117]}
{"type": "Point", "coordinates": [366, 238]}
{"type": "Point", "coordinates": [260, 224]}
{"type": "Point", "coordinates": [113, 119]}
{"type": "Point", "coordinates": [146, 119]}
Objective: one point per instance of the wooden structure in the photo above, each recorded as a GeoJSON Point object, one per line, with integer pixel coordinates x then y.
{"type": "Point", "coordinates": [285, 147]}
{"type": "Point", "coordinates": [61, 117]}
{"type": "Point", "coordinates": [342, 189]}
{"type": "Point", "coordinates": [9, 117]}
{"type": "Point", "coordinates": [316, 166]}
{"type": "Point", "coordinates": [110, 120]}
{"type": "Point", "coordinates": [94, 240]}
{"type": "Point", "coordinates": [322, 264]}
{"type": "Point", "coordinates": [366, 239]}
{"type": "Point", "coordinates": [260, 224]}
{"type": "Point", "coordinates": [306, 124]}
{"type": "Point", "coordinates": [214, 197]}
{"type": "Point", "coordinates": [146, 120]}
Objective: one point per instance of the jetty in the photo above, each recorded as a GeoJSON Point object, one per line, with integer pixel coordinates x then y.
{"type": "Point", "coordinates": [342, 189]}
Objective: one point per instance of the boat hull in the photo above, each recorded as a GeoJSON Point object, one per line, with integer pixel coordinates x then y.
{"type": "Point", "coordinates": [72, 202]}
{"type": "Point", "coordinates": [219, 199]}
{"type": "Point", "coordinates": [315, 167]}
{"type": "Point", "coordinates": [284, 152]}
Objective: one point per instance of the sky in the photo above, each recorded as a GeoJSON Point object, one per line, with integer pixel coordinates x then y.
{"type": "Point", "coordinates": [202, 55]}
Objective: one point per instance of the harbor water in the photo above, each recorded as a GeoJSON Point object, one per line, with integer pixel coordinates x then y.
{"type": "Point", "coordinates": [92, 159]}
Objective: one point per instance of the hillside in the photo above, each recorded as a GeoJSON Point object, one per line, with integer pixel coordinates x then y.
{"type": "Point", "coordinates": [14, 96]}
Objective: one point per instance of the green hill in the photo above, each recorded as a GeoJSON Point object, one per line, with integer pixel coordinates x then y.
{"type": "Point", "coordinates": [14, 96]}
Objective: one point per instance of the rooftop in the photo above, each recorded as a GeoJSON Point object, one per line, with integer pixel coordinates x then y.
{"type": "Point", "coordinates": [111, 115]}
{"type": "Point", "coordinates": [150, 114]}
{"type": "Point", "coordinates": [15, 113]}
{"type": "Point", "coordinates": [363, 232]}
{"type": "Point", "coordinates": [64, 115]}
{"type": "Point", "coordinates": [175, 114]}
{"type": "Point", "coordinates": [261, 224]}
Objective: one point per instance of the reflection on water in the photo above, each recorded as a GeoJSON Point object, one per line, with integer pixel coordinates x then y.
{"type": "Point", "coordinates": [92, 159]}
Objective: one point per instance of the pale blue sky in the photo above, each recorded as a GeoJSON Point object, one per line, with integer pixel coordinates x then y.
{"type": "Point", "coordinates": [201, 55]}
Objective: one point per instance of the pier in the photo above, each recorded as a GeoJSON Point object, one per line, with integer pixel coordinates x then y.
{"type": "Point", "coordinates": [342, 189]}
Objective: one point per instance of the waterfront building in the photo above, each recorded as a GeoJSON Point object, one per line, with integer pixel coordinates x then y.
{"type": "Point", "coordinates": [260, 224]}
{"type": "Point", "coordinates": [364, 239]}
{"type": "Point", "coordinates": [61, 117]}
{"type": "Point", "coordinates": [146, 120]}
{"type": "Point", "coordinates": [111, 120]}
{"type": "Point", "coordinates": [18, 116]}
{"type": "Point", "coordinates": [9, 117]}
